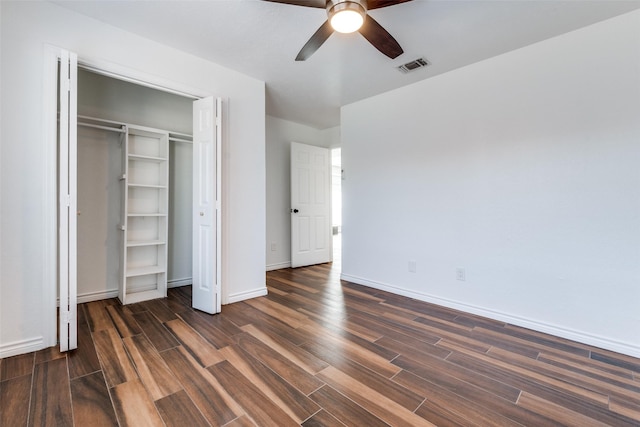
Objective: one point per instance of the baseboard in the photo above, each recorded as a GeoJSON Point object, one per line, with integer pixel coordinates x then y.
{"type": "Point", "coordinates": [113, 293]}
{"type": "Point", "coordinates": [97, 296]}
{"type": "Point", "coordinates": [93, 296]}
{"type": "Point", "coordinates": [279, 266]}
{"type": "Point", "coordinates": [579, 336]}
{"type": "Point", "coordinates": [241, 296]}
{"type": "Point", "coordinates": [21, 347]}
{"type": "Point", "coordinates": [176, 283]}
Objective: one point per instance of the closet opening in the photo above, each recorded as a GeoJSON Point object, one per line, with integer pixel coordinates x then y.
{"type": "Point", "coordinates": [134, 201]}
{"type": "Point", "coordinates": [134, 191]}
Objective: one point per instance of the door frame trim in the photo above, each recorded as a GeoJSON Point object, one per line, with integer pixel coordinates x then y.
{"type": "Point", "coordinates": [52, 55]}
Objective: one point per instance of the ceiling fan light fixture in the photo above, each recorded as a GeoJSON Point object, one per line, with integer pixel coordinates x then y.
{"type": "Point", "coordinates": [347, 16]}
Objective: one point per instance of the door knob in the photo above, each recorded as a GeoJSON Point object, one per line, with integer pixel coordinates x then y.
{"type": "Point", "coordinates": [294, 210]}
{"type": "Point", "coordinates": [201, 213]}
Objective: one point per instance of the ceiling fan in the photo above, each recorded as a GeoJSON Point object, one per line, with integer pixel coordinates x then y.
{"type": "Point", "coordinates": [348, 16]}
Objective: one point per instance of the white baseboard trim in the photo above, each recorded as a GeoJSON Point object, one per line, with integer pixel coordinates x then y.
{"type": "Point", "coordinates": [93, 296]}
{"type": "Point", "coordinates": [559, 331]}
{"type": "Point", "coordinates": [21, 347]}
{"type": "Point", "coordinates": [97, 296]}
{"type": "Point", "coordinates": [241, 296]}
{"type": "Point", "coordinates": [279, 266]}
{"type": "Point", "coordinates": [113, 293]}
{"type": "Point", "coordinates": [176, 283]}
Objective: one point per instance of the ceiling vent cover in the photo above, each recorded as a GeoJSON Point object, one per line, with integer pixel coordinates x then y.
{"type": "Point", "coordinates": [413, 65]}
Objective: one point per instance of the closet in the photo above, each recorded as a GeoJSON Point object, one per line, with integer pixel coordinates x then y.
{"type": "Point", "coordinates": [134, 190]}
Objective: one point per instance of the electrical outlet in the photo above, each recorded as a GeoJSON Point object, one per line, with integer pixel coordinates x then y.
{"type": "Point", "coordinates": [412, 266]}
{"type": "Point", "coordinates": [461, 274]}
{"type": "Point", "coordinates": [273, 247]}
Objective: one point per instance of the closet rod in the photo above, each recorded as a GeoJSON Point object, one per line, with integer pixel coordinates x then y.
{"type": "Point", "coordinates": [181, 134]}
{"type": "Point", "coordinates": [172, 135]}
{"type": "Point", "coordinates": [188, 141]}
{"type": "Point", "coordinates": [95, 119]}
{"type": "Point", "coordinates": [89, 125]}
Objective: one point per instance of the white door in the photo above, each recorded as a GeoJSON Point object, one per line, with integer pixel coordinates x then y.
{"type": "Point", "coordinates": [310, 205]}
{"type": "Point", "coordinates": [207, 141]}
{"type": "Point", "coordinates": [68, 200]}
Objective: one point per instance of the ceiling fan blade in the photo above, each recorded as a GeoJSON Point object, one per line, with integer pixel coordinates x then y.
{"type": "Point", "coordinates": [377, 4]}
{"type": "Point", "coordinates": [380, 38]}
{"type": "Point", "coordinates": [321, 4]}
{"type": "Point", "coordinates": [315, 41]}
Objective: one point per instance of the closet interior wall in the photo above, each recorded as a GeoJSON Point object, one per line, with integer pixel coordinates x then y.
{"type": "Point", "coordinates": [100, 188]}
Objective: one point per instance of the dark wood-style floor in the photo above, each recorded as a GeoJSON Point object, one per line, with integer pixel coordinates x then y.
{"type": "Point", "coordinates": [315, 352]}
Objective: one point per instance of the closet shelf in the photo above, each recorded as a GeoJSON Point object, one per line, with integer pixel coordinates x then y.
{"type": "Point", "coordinates": [146, 158]}
{"type": "Point", "coordinates": [145, 207]}
{"type": "Point", "coordinates": [144, 271]}
{"type": "Point", "coordinates": [144, 295]}
{"type": "Point", "coordinates": [136, 243]}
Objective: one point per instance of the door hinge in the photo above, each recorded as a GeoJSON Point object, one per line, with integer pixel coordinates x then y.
{"type": "Point", "coordinates": [68, 200]}
{"type": "Point", "coordinates": [66, 85]}
{"type": "Point", "coordinates": [66, 317]}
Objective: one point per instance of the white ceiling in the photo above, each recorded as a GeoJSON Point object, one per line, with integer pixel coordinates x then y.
{"type": "Point", "coordinates": [261, 39]}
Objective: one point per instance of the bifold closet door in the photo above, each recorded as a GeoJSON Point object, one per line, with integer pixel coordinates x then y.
{"type": "Point", "coordinates": [207, 196]}
{"type": "Point", "coordinates": [68, 200]}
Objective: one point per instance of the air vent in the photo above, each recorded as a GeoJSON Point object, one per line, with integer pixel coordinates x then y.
{"type": "Point", "coordinates": [413, 65]}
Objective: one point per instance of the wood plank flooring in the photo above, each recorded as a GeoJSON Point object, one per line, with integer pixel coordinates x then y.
{"type": "Point", "coordinates": [314, 352]}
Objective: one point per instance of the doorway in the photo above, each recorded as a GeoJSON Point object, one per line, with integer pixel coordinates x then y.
{"type": "Point", "coordinates": [110, 103]}
{"type": "Point", "coordinates": [336, 206]}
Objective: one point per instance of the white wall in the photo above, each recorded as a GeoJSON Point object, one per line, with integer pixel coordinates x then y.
{"type": "Point", "coordinates": [27, 234]}
{"type": "Point", "coordinates": [331, 137]}
{"type": "Point", "coordinates": [522, 169]}
{"type": "Point", "coordinates": [113, 99]}
{"type": "Point", "coordinates": [100, 211]}
{"type": "Point", "coordinates": [280, 134]}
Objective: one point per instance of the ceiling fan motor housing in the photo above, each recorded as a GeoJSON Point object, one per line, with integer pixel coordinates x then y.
{"type": "Point", "coordinates": [334, 7]}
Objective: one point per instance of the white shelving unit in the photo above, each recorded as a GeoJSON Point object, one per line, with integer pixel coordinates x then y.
{"type": "Point", "coordinates": [145, 214]}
